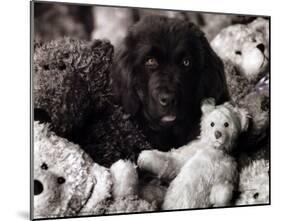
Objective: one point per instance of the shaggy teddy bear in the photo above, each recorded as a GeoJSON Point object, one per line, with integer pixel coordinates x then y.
{"type": "Point", "coordinates": [72, 87]}
{"type": "Point", "coordinates": [254, 183]}
{"type": "Point", "coordinates": [68, 183]}
{"type": "Point", "coordinates": [245, 51]}
{"type": "Point", "coordinates": [204, 173]}
{"type": "Point", "coordinates": [71, 82]}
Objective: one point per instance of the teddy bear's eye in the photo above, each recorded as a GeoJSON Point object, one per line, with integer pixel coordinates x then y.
{"type": "Point", "coordinates": [46, 67]}
{"type": "Point", "coordinates": [61, 66]}
{"type": "Point", "coordinates": [226, 124]}
{"type": "Point", "coordinates": [256, 195]}
{"type": "Point", "coordinates": [44, 166]}
{"type": "Point", "coordinates": [238, 52]}
{"type": "Point", "coordinates": [212, 124]}
{"type": "Point", "coordinates": [60, 180]}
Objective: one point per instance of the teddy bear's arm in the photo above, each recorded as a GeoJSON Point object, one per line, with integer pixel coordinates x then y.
{"type": "Point", "coordinates": [159, 163]}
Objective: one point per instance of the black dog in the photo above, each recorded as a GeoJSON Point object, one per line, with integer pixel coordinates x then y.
{"type": "Point", "coordinates": [161, 73]}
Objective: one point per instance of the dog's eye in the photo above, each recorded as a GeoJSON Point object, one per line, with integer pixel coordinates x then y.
{"type": "Point", "coordinates": [226, 124]}
{"type": "Point", "coordinates": [186, 62]}
{"type": "Point", "coordinates": [212, 124]}
{"type": "Point", "coordinates": [151, 62]}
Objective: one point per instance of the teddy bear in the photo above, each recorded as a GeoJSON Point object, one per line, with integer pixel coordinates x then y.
{"type": "Point", "coordinates": [72, 92]}
{"type": "Point", "coordinates": [204, 173]}
{"type": "Point", "coordinates": [68, 183]}
{"type": "Point", "coordinates": [253, 187]}
{"type": "Point", "coordinates": [244, 48]}
{"type": "Point", "coordinates": [70, 82]}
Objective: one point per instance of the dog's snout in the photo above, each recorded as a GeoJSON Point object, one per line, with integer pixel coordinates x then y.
{"type": "Point", "coordinates": [218, 134]}
{"type": "Point", "coordinates": [38, 187]}
{"type": "Point", "coordinates": [261, 47]}
{"type": "Point", "coordinates": [166, 99]}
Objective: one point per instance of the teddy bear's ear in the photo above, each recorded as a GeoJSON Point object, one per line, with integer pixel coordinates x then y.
{"type": "Point", "coordinates": [229, 104]}
{"type": "Point", "coordinates": [244, 118]}
{"type": "Point", "coordinates": [208, 105]}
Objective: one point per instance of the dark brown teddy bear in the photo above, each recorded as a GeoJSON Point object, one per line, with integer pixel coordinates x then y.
{"type": "Point", "coordinates": [70, 82]}
{"type": "Point", "coordinates": [72, 91]}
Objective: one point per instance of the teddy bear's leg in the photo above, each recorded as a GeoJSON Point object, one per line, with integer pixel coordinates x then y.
{"type": "Point", "coordinates": [160, 163]}
{"type": "Point", "coordinates": [125, 178]}
{"type": "Point", "coordinates": [221, 194]}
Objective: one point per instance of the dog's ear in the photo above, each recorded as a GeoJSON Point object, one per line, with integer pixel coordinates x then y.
{"type": "Point", "coordinates": [214, 80]}
{"type": "Point", "coordinates": [123, 78]}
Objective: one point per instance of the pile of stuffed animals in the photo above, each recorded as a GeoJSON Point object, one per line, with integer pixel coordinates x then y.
{"type": "Point", "coordinates": [227, 165]}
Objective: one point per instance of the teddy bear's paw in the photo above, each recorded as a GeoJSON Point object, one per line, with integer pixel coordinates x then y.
{"type": "Point", "coordinates": [145, 159]}
{"type": "Point", "coordinates": [159, 163]}
{"type": "Point", "coordinates": [221, 194]}
{"type": "Point", "coordinates": [125, 178]}
{"type": "Point", "coordinates": [151, 161]}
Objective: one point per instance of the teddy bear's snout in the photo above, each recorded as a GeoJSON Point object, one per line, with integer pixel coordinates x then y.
{"type": "Point", "coordinates": [218, 134]}
{"type": "Point", "coordinates": [38, 187]}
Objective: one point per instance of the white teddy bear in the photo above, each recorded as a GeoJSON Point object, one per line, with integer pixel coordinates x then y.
{"type": "Point", "coordinates": [68, 183]}
{"type": "Point", "coordinates": [204, 173]}
{"type": "Point", "coordinates": [245, 46]}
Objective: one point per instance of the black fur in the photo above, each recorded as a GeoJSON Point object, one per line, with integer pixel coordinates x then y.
{"type": "Point", "coordinates": [139, 87]}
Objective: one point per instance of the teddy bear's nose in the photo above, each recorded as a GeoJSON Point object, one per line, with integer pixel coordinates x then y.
{"type": "Point", "coordinates": [217, 134]}
{"type": "Point", "coordinates": [38, 187]}
{"type": "Point", "coordinates": [261, 47]}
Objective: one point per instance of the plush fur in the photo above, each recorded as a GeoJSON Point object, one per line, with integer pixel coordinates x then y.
{"type": "Point", "coordinates": [248, 82]}
{"type": "Point", "coordinates": [70, 83]}
{"type": "Point", "coordinates": [204, 173]}
{"type": "Point", "coordinates": [112, 136]}
{"type": "Point", "coordinates": [68, 183]}
{"type": "Point", "coordinates": [254, 183]}
{"type": "Point", "coordinates": [161, 73]}
{"type": "Point", "coordinates": [72, 92]}
{"type": "Point", "coordinates": [246, 46]}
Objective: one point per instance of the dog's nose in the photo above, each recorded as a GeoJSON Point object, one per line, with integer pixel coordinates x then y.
{"type": "Point", "coordinates": [261, 47]}
{"type": "Point", "coordinates": [165, 99]}
{"type": "Point", "coordinates": [218, 134]}
{"type": "Point", "coordinates": [38, 187]}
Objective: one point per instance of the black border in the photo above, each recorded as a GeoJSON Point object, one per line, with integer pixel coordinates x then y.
{"type": "Point", "coordinates": [32, 119]}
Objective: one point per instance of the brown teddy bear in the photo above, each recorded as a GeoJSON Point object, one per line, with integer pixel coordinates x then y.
{"type": "Point", "coordinates": [72, 91]}
{"type": "Point", "coordinates": [71, 79]}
